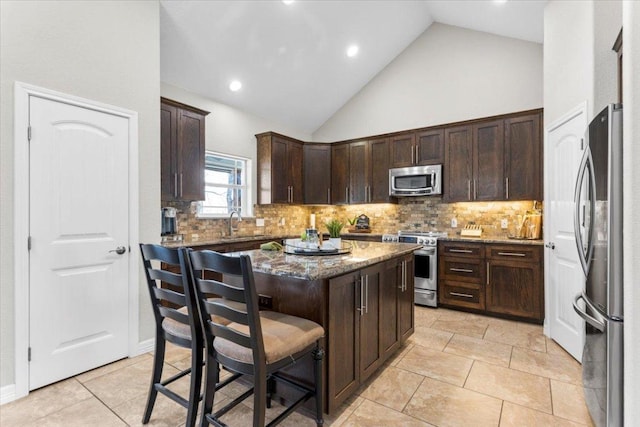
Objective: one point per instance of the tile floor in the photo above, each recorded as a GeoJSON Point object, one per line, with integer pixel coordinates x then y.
{"type": "Point", "coordinates": [458, 369]}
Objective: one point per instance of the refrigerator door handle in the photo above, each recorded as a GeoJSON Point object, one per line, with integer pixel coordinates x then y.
{"type": "Point", "coordinates": [586, 165]}
{"type": "Point", "coordinates": [597, 321]}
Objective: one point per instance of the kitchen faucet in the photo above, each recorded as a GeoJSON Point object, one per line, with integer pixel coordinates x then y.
{"type": "Point", "coordinates": [231, 229]}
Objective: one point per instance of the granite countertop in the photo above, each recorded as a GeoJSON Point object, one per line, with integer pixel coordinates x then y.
{"type": "Point", "coordinates": [493, 239]}
{"type": "Point", "coordinates": [224, 241]}
{"type": "Point", "coordinates": [317, 267]}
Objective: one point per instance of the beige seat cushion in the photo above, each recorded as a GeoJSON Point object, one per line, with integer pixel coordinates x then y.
{"type": "Point", "coordinates": [183, 330]}
{"type": "Point", "coordinates": [283, 336]}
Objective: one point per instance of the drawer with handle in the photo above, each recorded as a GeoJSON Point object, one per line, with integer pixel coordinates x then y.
{"type": "Point", "coordinates": [461, 249]}
{"type": "Point", "coordinates": [522, 253]}
{"type": "Point", "coordinates": [466, 270]}
{"type": "Point", "coordinates": [462, 294]}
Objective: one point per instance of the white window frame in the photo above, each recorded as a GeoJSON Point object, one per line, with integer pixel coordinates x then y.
{"type": "Point", "coordinates": [246, 205]}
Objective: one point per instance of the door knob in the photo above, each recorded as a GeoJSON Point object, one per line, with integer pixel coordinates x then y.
{"type": "Point", "coordinates": [119, 250]}
{"type": "Point", "coordinates": [550, 245]}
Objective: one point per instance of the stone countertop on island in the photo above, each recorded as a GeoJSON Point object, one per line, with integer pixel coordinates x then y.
{"type": "Point", "coordinates": [493, 239]}
{"type": "Point", "coordinates": [316, 267]}
{"type": "Point", "coordinates": [223, 241]}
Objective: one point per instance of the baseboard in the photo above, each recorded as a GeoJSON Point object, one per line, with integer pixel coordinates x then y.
{"type": "Point", "coordinates": [7, 394]}
{"type": "Point", "coordinates": [145, 346]}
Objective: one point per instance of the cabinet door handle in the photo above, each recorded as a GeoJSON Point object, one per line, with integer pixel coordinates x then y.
{"type": "Point", "coordinates": [328, 196]}
{"type": "Point", "coordinates": [460, 270]}
{"type": "Point", "coordinates": [346, 194]}
{"type": "Point", "coordinates": [469, 189]}
{"type": "Point", "coordinates": [361, 309]}
{"type": "Point", "coordinates": [412, 157]}
{"type": "Point", "coordinates": [180, 184]}
{"type": "Point", "coordinates": [417, 154]}
{"type": "Point", "coordinates": [507, 185]}
{"type": "Point", "coordinates": [404, 276]}
{"type": "Point", "coordinates": [488, 272]}
{"type": "Point", "coordinates": [462, 251]}
{"type": "Point", "coordinates": [475, 190]}
{"type": "Point", "coordinates": [369, 194]}
{"type": "Point", "coordinates": [366, 192]}
{"type": "Point", "coordinates": [366, 296]}
{"type": "Point", "coordinates": [458, 294]}
{"type": "Point", "coordinates": [175, 185]}
{"type": "Point", "coordinates": [511, 254]}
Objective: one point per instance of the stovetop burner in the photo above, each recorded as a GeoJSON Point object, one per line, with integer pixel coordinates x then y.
{"type": "Point", "coordinates": [425, 238]}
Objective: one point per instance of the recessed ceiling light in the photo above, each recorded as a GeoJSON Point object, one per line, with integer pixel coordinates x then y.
{"type": "Point", "coordinates": [287, 2]}
{"type": "Point", "coordinates": [235, 86]}
{"type": "Point", "coordinates": [352, 50]}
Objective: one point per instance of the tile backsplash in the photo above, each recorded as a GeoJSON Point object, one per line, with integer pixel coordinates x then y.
{"type": "Point", "coordinates": [419, 213]}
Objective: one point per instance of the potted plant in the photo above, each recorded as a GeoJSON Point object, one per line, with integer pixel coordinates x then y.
{"type": "Point", "coordinates": [334, 227]}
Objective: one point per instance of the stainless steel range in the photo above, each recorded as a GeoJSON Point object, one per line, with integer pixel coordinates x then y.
{"type": "Point", "coordinates": [426, 263]}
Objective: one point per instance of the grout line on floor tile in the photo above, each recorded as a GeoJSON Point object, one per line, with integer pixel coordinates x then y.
{"type": "Point", "coordinates": [413, 394]}
{"type": "Point", "coordinates": [501, 409]}
{"type": "Point", "coordinates": [105, 404]}
{"type": "Point", "coordinates": [473, 362]}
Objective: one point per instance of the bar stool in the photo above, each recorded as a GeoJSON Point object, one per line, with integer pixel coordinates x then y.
{"type": "Point", "coordinates": [175, 325]}
{"type": "Point", "coordinates": [252, 342]}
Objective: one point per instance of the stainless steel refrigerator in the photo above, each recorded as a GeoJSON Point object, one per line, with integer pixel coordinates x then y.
{"type": "Point", "coordinates": [598, 228]}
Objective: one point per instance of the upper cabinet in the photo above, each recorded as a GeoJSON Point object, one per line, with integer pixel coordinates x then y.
{"type": "Point", "coordinates": [182, 146]}
{"type": "Point", "coordinates": [523, 158]}
{"type": "Point", "coordinates": [417, 148]}
{"type": "Point", "coordinates": [494, 160]}
{"type": "Point", "coordinates": [317, 174]}
{"type": "Point", "coordinates": [360, 172]}
{"type": "Point", "coordinates": [280, 162]}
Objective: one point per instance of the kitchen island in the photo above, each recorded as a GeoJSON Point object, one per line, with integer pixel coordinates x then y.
{"type": "Point", "coordinates": [364, 301]}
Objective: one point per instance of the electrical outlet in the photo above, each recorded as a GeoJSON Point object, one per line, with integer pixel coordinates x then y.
{"type": "Point", "coordinates": [265, 301]}
{"type": "Point", "coordinates": [454, 223]}
{"type": "Point", "coordinates": [504, 223]}
{"type": "Point", "coordinates": [282, 221]}
{"type": "Point", "coordinates": [259, 222]}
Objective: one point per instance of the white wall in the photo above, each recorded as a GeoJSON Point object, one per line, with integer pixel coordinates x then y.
{"type": "Point", "coordinates": [447, 74]}
{"type": "Point", "coordinates": [229, 130]}
{"type": "Point", "coordinates": [631, 148]}
{"type": "Point", "coordinates": [101, 50]}
{"type": "Point", "coordinates": [607, 23]}
{"type": "Point", "coordinates": [568, 58]}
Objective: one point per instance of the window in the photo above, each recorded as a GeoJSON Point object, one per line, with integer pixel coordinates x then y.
{"type": "Point", "coordinates": [225, 186]}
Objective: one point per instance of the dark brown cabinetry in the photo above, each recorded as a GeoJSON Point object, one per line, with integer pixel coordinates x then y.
{"type": "Point", "coordinates": [360, 172]}
{"type": "Point", "coordinates": [317, 174]}
{"type": "Point", "coordinates": [523, 158]}
{"type": "Point", "coordinates": [340, 174]}
{"type": "Point", "coordinates": [182, 146]}
{"type": "Point", "coordinates": [492, 278]}
{"type": "Point", "coordinates": [474, 162]}
{"type": "Point", "coordinates": [280, 163]}
{"type": "Point", "coordinates": [417, 148]}
{"type": "Point", "coordinates": [371, 314]}
{"type": "Point", "coordinates": [514, 277]}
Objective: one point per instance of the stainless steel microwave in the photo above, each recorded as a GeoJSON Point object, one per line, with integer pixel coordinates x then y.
{"type": "Point", "coordinates": [415, 181]}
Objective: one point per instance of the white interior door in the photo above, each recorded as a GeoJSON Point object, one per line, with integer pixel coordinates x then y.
{"type": "Point", "coordinates": [78, 217]}
{"type": "Point", "coordinates": [563, 273]}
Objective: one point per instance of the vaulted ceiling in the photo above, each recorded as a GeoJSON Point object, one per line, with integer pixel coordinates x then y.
{"type": "Point", "coordinates": [291, 56]}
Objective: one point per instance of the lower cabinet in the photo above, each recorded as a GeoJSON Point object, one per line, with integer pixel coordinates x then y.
{"type": "Point", "coordinates": [505, 280]}
{"type": "Point", "coordinates": [370, 315]}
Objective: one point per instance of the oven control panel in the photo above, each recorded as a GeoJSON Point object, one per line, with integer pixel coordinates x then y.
{"type": "Point", "coordinates": [390, 238]}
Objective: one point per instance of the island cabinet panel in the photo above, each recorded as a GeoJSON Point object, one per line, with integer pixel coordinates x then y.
{"type": "Point", "coordinates": [182, 146]}
{"type": "Point", "coordinates": [500, 279]}
{"type": "Point", "coordinates": [340, 174]}
{"type": "Point", "coordinates": [280, 169]}
{"type": "Point", "coordinates": [344, 332]}
{"type": "Point", "coordinates": [371, 280]}
{"type": "Point", "coordinates": [390, 307]}
{"type": "Point", "coordinates": [405, 291]}
{"type": "Point", "coordinates": [523, 158]}
{"type": "Point", "coordinates": [317, 174]}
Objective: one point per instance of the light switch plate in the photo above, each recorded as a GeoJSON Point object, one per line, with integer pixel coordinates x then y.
{"type": "Point", "coordinates": [259, 222]}
{"type": "Point", "coordinates": [504, 223]}
{"type": "Point", "coordinates": [454, 223]}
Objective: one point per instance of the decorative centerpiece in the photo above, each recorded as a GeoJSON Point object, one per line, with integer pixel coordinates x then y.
{"type": "Point", "coordinates": [334, 227]}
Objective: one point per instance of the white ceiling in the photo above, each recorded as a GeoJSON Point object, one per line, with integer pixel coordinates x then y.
{"type": "Point", "coordinates": [291, 59]}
